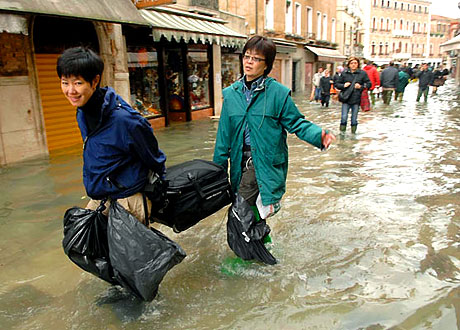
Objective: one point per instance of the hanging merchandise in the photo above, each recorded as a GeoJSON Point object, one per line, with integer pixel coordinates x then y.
{"type": "Point", "coordinates": [85, 241]}
{"type": "Point", "coordinates": [140, 256]}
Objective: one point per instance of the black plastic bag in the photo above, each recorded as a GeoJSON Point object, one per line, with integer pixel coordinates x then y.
{"type": "Point", "coordinates": [245, 235]}
{"type": "Point", "coordinates": [140, 256]}
{"type": "Point", "coordinates": [85, 241]}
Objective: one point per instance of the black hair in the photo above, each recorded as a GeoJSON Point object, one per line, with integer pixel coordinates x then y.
{"type": "Point", "coordinates": [263, 46]}
{"type": "Point", "coordinates": [79, 61]}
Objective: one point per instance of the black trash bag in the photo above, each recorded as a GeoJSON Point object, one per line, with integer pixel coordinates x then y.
{"type": "Point", "coordinates": [140, 256]}
{"type": "Point", "coordinates": [245, 235]}
{"type": "Point", "coordinates": [85, 241]}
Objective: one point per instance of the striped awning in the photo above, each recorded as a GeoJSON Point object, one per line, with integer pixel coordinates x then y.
{"type": "Point", "coordinates": [119, 11]}
{"type": "Point", "coordinates": [187, 26]}
{"type": "Point", "coordinates": [326, 54]}
{"type": "Point", "coordinates": [452, 44]}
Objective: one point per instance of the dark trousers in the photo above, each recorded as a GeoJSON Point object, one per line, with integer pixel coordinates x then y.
{"type": "Point", "coordinates": [325, 99]}
{"type": "Point", "coordinates": [248, 188]}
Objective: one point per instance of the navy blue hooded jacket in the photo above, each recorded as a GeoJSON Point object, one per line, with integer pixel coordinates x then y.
{"type": "Point", "coordinates": [119, 153]}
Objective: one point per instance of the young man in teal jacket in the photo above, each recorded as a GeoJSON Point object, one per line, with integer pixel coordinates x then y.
{"type": "Point", "coordinates": [257, 114]}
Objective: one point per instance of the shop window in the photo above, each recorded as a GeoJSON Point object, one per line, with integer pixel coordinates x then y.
{"type": "Point", "coordinates": [143, 80]}
{"type": "Point", "coordinates": [174, 79]}
{"type": "Point", "coordinates": [198, 78]}
{"type": "Point", "coordinates": [230, 69]}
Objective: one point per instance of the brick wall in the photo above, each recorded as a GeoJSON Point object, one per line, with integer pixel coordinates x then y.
{"type": "Point", "coordinates": [13, 55]}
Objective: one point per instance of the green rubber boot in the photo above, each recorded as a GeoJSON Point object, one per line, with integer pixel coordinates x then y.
{"type": "Point", "coordinates": [353, 129]}
{"type": "Point", "coordinates": [343, 128]}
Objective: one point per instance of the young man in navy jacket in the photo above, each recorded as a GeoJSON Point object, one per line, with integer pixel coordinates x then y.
{"type": "Point", "coordinates": [119, 148]}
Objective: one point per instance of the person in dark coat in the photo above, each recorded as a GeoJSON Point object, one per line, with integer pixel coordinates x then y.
{"type": "Point", "coordinates": [360, 81]}
{"type": "Point", "coordinates": [325, 84]}
{"type": "Point", "coordinates": [425, 79]}
{"type": "Point", "coordinates": [119, 148]}
{"type": "Point", "coordinates": [440, 76]}
{"type": "Point", "coordinates": [335, 78]}
{"type": "Point", "coordinates": [389, 79]}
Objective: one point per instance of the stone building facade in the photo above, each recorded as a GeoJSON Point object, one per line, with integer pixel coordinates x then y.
{"type": "Point", "coordinates": [398, 30]}
{"type": "Point", "coordinates": [440, 32]}
{"type": "Point", "coordinates": [304, 32]}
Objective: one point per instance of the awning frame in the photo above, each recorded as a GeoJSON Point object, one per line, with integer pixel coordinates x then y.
{"type": "Point", "coordinates": [199, 28]}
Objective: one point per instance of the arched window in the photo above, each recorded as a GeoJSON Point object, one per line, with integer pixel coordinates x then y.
{"type": "Point", "coordinates": [386, 48]}
{"type": "Point", "coordinates": [381, 48]}
{"type": "Point", "coordinates": [381, 25]}
{"type": "Point", "coordinates": [373, 48]}
{"type": "Point", "coordinates": [388, 24]}
{"type": "Point", "coordinates": [401, 22]}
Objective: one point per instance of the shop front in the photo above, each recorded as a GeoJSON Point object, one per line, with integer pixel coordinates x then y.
{"type": "Point", "coordinates": [178, 74]}
{"type": "Point", "coordinates": [33, 34]}
{"type": "Point", "coordinates": [324, 57]}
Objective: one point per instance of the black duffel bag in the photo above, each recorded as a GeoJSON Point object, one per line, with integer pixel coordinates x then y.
{"type": "Point", "coordinates": [195, 190]}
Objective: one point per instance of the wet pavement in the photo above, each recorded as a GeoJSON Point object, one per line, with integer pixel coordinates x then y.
{"type": "Point", "coordinates": [368, 236]}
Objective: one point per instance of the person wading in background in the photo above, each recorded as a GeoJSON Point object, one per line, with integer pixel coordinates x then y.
{"type": "Point", "coordinates": [374, 77]}
{"type": "Point", "coordinates": [358, 80]}
{"type": "Point", "coordinates": [389, 79]}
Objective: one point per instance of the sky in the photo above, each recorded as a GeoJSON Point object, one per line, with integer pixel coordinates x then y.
{"type": "Point", "coordinates": [448, 8]}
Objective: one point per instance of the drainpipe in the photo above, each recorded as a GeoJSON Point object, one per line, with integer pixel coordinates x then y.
{"type": "Point", "coordinates": [257, 17]}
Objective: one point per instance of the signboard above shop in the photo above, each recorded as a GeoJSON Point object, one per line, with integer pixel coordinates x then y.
{"type": "Point", "coordinates": [152, 3]}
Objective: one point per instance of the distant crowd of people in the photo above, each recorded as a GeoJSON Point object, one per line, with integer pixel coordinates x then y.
{"type": "Point", "coordinates": [359, 88]}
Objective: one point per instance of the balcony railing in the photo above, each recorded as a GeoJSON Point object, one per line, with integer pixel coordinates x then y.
{"type": "Point", "coordinates": [402, 33]}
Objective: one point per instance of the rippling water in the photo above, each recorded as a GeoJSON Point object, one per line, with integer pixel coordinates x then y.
{"type": "Point", "coordinates": [368, 236]}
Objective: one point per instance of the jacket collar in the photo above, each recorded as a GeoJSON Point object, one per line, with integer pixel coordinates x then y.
{"type": "Point", "coordinates": [262, 82]}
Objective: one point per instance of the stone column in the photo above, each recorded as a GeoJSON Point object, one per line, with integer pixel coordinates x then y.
{"type": "Point", "coordinates": [112, 49]}
{"type": "Point", "coordinates": [217, 79]}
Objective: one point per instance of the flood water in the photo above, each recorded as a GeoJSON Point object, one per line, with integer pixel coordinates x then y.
{"type": "Point", "coordinates": [367, 238]}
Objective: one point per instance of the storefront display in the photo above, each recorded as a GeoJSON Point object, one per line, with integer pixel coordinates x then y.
{"type": "Point", "coordinates": [198, 78]}
{"type": "Point", "coordinates": [143, 79]}
{"type": "Point", "coordinates": [231, 71]}
{"type": "Point", "coordinates": [174, 79]}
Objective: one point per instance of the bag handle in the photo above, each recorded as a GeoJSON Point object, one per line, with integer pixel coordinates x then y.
{"type": "Point", "coordinates": [196, 185]}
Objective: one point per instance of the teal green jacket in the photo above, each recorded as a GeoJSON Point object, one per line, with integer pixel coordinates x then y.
{"type": "Point", "coordinates": [270, 115]}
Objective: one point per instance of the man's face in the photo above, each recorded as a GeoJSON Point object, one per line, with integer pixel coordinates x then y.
{"type": "Point", "coordinates": [253, 64]}
{"type": "Point", "coordinates": [320, 70]}
{"type": "Point", "coordinates": [77, 90]}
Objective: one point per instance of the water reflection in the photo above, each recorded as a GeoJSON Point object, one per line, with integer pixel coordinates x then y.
{"type": "Point", "coordinates": [368, 236]}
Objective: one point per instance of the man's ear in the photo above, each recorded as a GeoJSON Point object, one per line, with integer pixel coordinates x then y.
{"type": "Point", "coordinates": [96, 81]}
